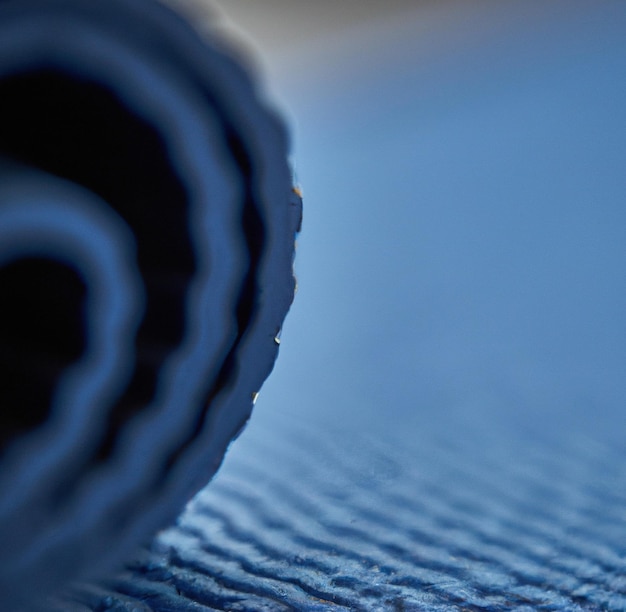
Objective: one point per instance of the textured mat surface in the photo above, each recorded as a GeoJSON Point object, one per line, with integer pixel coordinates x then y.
{"type": "Point", "coordinates": [321, 520]}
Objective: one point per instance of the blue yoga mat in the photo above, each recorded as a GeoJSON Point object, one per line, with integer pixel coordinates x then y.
{"type": "Point", "coordinates": [445, 427]}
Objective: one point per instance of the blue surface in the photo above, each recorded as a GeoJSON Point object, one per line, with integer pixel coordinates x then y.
{"type": "Point", "coordinates": [445, 426]}
{"type": "Point", "coordinates": [336, 520]}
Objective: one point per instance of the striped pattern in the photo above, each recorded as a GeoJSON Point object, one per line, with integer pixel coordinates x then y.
{"type": "Point", "coordinates": [147, 228]}
{"type": "Point", "coordinates": [320, 520]}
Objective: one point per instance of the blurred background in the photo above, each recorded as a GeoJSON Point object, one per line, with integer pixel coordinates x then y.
{"type": "Point", "coordinates": [449, 401]}
{"type": "Point", "coordinates": [463, 248]}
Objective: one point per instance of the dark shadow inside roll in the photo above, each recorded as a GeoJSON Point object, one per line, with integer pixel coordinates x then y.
{"type": "Point", "coordinates": [80, 130]}
{"type": "Point", "coordinates": [42, 308]}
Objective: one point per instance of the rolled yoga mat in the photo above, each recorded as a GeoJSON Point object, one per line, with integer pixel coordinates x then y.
{"type": "Point", "coordinates": [147, 223]}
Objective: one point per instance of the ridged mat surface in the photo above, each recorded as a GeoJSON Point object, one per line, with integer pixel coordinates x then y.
{"type": "Point", "coordinates": [322, 519]}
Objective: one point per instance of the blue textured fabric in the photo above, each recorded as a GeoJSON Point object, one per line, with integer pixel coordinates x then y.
{"type": "Point", "coordinates": [326, 519]}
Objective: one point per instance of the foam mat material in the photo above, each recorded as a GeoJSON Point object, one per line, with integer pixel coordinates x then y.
{"type": "Point", "coordinates": [324, 520]}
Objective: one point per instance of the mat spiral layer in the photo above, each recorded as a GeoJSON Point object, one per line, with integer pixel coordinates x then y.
{"type": "Point", "coordinates": [147, 227]}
